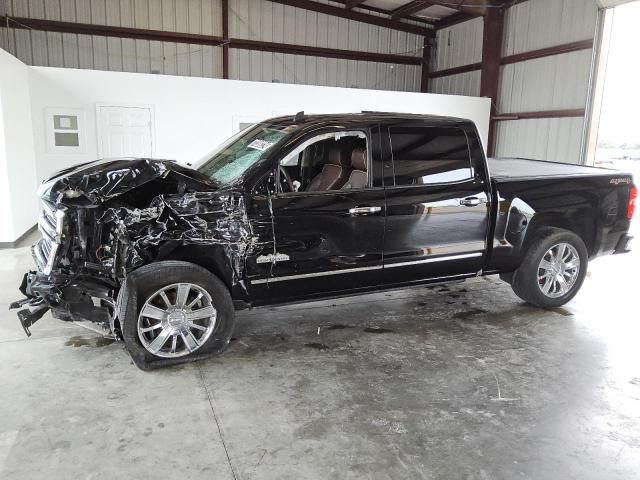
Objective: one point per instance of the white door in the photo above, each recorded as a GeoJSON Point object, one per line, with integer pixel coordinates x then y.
{"type": "Point", "coordinates": [124, 131]}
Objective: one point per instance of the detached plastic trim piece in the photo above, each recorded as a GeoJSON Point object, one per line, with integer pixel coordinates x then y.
{"type": "Point", "coordinates": [624, 244]}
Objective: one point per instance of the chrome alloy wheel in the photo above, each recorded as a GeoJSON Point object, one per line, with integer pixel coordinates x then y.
{"type": "Point", "coordinates": [558, 270]}
{"type": "Point", "coordinates": [176, 320]}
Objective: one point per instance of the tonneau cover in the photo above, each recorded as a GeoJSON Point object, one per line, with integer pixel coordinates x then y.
{"type": "Point", "coordinates": [523, 168]}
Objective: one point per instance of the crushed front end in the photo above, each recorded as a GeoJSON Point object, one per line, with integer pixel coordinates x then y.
{"type": "Point", "coordinates": [102, 220]}
{"type": "Point", "coordinates": [69, 278]}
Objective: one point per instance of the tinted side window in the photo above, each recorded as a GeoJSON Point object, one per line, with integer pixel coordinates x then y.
{"type": "Point", "coordinates": [424, 155]}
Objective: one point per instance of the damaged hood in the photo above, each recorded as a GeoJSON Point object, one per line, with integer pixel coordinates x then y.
{"type": "Point", "coordinates": [93, 183]}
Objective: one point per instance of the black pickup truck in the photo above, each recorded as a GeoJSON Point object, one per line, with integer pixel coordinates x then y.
{"type": "Point", "coordinates": [306, 207]}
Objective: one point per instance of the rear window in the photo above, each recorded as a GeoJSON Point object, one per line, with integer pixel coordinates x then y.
{"type": "Point", "coordinates": [428, 155]}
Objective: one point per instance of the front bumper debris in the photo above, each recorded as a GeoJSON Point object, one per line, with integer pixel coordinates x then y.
{"type": "Point", "coordinates": [36, 306]}
{"type": "Point", "coordinates": [624, 244]}
{"type": "Point", "coordinates": [68, 298]}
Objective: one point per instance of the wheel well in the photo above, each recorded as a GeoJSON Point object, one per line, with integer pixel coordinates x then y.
{"type": "Point", "coordinates": [205, 260]}
{"type": "Point", "coordinates": [581, 224]}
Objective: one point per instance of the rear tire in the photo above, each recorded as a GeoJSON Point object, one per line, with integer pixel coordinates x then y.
{"type": "Point", "coordinates": [552, 270]}
{"type": "Point", "coordinates": [174, 312]}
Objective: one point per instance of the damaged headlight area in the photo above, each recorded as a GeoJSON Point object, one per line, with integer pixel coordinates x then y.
{"type": "Point", "coordinates": [98, 226]}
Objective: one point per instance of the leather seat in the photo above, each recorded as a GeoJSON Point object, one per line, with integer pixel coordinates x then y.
{"type": "Point", "coordinates": [358, 176]}
{"type": "Point", "coordinates": [334, 173]}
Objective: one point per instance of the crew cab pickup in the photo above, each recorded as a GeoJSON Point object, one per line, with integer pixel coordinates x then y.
{"type": "Point", "coordinates": [306, 207]}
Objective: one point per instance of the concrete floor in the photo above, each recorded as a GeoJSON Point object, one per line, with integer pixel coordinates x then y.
{"type": "Point", "coordinates": [458, 382]}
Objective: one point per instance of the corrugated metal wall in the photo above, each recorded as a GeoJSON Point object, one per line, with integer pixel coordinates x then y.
{"type": "Point", "coordinates": [555, 139]}
{"type": "Point", "coordinates": [272, 22]}
{"type": "Point", "coordinates": [551, 83]}
{"type": "Point", "coordinates": [461, 84]}
{"type": "Point", "coordinates": [100, 53]}
{"type": "Point", "coordinates": [457, 46]}
{"type": "Point", "coordinates": [544, 23]}
{"type": "Point", "coordinates": [252, 19]}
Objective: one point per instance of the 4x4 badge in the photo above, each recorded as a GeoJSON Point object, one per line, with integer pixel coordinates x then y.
{"type": "Point", "coordinates": [618, 181]}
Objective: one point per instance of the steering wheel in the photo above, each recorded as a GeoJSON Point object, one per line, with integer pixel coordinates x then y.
{"type": "Point", "coordinates": [285, 180]}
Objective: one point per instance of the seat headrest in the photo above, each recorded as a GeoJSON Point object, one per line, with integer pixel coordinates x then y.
{"type": "Point", "coordinates": [359, 159]}
{"type": "Point", "coordinates": [338, 156]}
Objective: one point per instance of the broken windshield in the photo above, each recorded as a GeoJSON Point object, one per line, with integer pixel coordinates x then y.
{"type": "Point", "coordinates": [226, 164]}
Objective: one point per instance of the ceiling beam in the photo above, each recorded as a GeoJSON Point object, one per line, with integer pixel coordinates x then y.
{"type": "Point", "coordinates": [472, 7]}
{"type": "Point", "coordinates": [469, 7]}
{"type": "Point", "coordinates": [110, 31]}
{"type": "Point", "coordinates": [470, 12]}
{"type": "Point", "coordinates": [349, 4]}
{"type": "Point", "coordinates": [244, 44]}
{"type": "Point", "coordinates": [549, 51]}
{"type": "Point", "coordinates": [358, 16]}
{"type": "Point", "coordinates": [470, 67]}
{"type": "Point", "coordinates": [364, 6]}
{"type": "Point", "coordinates": [454, 19]}
{"type": "Point", "coordinates": [519, 57]}
{"type": "Point", "coordinates": [577, 112]}
{"type": "Point", "coordinates": [189, 38]}
{"type": "Point", "coordinates": [306, 5]}
{"type": "Point", "coordinates": [410, 8]}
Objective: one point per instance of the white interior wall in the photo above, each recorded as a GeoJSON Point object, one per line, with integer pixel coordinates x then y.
{"type": "Point", "coordinates": [193, 115]}
{"type": "Point", "coordinates": [18, 182]}
{"type": "Point", "coordinates": [6, 215]}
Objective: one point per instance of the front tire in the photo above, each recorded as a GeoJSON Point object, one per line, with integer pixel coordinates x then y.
{"type": "Point", "coordinates": [173, 312]}
{"type": "Point", "coordinates": [552, 270]}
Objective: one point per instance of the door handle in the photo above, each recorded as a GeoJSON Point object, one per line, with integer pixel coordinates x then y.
{"type": "Point", "coordinates": [471, 202]}
{"type": "Point", "coordinates": [364, 210]}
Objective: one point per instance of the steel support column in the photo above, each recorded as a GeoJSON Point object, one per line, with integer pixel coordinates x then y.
{"type": "Point", "coordinates": [426, 60]}
{"type": "Point", "coordinates": [490, 72]}
{"type": "Point", "coordinates": [225, 38]}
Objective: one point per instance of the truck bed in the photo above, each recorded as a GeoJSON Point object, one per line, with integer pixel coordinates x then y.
{"type": "Point", "coordinates": [523, 169]}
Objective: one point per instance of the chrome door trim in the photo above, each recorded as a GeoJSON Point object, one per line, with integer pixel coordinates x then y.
{"type": "Point", "coordinates": [362, 269]}
{"type": "Point", "coordinates": [316, 274]}
{"type": "Point", "coordinates": [433, 260]}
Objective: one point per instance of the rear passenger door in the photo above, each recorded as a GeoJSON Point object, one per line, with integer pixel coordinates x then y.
{"type": "Point", "coordinates": [437, 202]}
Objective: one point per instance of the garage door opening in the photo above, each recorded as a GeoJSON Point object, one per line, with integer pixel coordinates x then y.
{"type": "Point", "coordinates": [615, 138]}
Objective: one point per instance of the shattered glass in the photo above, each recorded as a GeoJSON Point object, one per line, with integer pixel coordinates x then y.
{"type": "Point", "coordinates": [230, 162]}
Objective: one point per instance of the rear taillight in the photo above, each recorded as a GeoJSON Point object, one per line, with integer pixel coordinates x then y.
{"type": "Point", "coordinates": [631, 206]}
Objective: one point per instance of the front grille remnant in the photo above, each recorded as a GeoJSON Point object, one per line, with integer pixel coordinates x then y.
{"type": "Point", "coordinates": [51, 226]}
